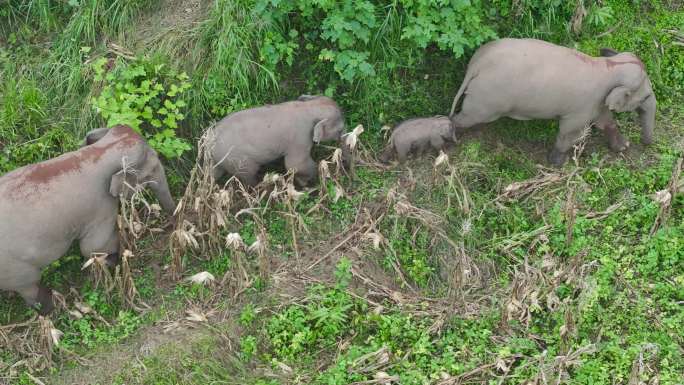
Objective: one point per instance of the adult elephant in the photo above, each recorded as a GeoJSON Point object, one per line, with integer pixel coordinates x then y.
{"type": "Point", "coordinates": [46, 206]}
{"type": "Point", "coordinates": [246, 140]}
{"type": "Point", "coordinates": [531, 79]}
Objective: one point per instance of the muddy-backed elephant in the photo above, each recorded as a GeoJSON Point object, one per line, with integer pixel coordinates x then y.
{"type": "Point", "coordinates": [45, 207]}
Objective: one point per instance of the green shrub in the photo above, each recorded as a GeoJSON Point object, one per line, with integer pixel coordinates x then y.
{"type": "Point", "coordinates": [146, 96]}
{"type": "Point", "coordinates": [341, 32]}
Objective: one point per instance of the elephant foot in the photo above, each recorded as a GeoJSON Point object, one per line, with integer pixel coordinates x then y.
{"type": "Point", "coordinates": [45, 303]}
{"type": "Point", "coordinates": [616, 141]}
{"type": "Point", "coordinates": [646, 140]}
{"type": "Point", "coordinates": [113, 259]}
{"type": "Point", "coordinates": [557, 158]}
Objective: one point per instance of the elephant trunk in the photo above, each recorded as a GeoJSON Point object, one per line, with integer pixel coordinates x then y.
{"type": "Point", "coordinates": [346, 152]}
{"type": "Point", "coordinates": [348, 161]}
{"type": "Point", "coordinates": [647, 111]}
{"type": "Point", "coordinates": [161, 190]}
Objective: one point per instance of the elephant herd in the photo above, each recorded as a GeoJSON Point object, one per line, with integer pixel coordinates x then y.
{"type": "Point", "coordinates": [45, 207]}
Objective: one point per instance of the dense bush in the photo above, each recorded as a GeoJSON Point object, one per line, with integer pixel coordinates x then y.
{"type": "Point", "coordinates": [146, 96]}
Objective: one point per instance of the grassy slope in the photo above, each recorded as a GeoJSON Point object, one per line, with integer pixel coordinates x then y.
{"type": "Point", "coordinates": [512, 299]}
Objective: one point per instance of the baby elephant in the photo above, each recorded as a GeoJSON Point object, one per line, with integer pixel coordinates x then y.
{"type": "Point", "coordinates": [416, 135]}
{"type": "Point", "coordinates": [46, 206]}
{"type": "Point", "coordinates": [246, 140]}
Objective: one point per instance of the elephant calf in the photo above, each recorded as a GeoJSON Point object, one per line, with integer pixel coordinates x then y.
{"type": "Point", "coordinates": [531, 79]}
{"type": "Point", "coordinates": [417, 135]}
{"type": "Point", "coordinates": [46, 206]}
{"type": "Point", "coordinates": [246, 140]}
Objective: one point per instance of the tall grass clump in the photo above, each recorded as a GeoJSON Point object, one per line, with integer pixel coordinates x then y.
{"type": "Point", "coordinates": [229, 73]}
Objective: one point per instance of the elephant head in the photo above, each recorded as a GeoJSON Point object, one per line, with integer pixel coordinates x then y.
{"type": "Point", "coordinates": [137, 166]}
{"type": "Point", "coordinates": [445, 128]}
{"type": "Point", "coordinates": [329, 123]}
{"type": "Point", "coordinates": [632, 90]}
{"type": "Point", "coordinates": [328, 118]}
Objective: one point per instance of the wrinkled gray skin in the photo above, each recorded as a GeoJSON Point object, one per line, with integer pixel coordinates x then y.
{"type": "Point", "coordinates": [417, 135]}
{"type": "Point", "coordinates": [46, 206]}
{"type": "Point", "coordinates": [246, 140]}
{"type": "Point", "coordinates": [531, 79]}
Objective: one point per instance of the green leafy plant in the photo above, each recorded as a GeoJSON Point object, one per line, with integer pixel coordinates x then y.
{"type": "Point", "coordinates": [247, 315]}
{"type": "Point", "coordinates": [298, 328]}
{"type": "Point", "coordinates": [248, 347]}
{"type": "Point", "coordinates": [145, 96]}
{"type": "Point", "coordinates": [344, 30]}
{"type": "Point", "coordinates": [600, 16]}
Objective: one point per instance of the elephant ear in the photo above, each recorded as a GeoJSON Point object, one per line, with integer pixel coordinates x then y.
{"type": "Point", "coordinates": [446, 129]}
{"type": "Point", "coordinates": [94, 135]}
{"type": "Point", "coordinates": [617, 99]}
{"type": "Point", "coordinates": [125, 180]}
{"type": "Point", "coordinates": [319, 130]}
{"type": "Point", "coordinates": [608, 52]}
{"type": "Point", "coordinates": [116, 185]}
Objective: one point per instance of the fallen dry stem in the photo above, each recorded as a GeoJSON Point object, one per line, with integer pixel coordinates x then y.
{"type": "Point", "coordinates": [529, 187]}
{"type": "Point", "coordinates": [666, 204]}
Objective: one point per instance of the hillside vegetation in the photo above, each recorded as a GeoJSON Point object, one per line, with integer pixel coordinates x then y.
{"type": "Point", "coordinates": [481, 267]}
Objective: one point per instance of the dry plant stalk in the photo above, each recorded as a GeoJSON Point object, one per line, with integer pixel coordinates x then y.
{"type": "Point", "coordinates": [49, 337]}
{"type": "Point", "coordinates": [373, 362]}
{"type": "Point", "coordinates": [33, 342]}
{"type": "Point", "coordinates": [235, 243]}
{"type": "Point", "coordinates": [534, 287]}
{"type": "Point", "coordinates": [133, 222]}
{"type": "Point", "coordinates": [580, 145]}
{"type": "Point", "coordinates": [335, 175]}
{"type": "Point", "coordinates": [182, 238]}
{"type": "Point", "coordinates": [667, 197]}
{"type": "Point", "coordinates": [529, 187]}
{"type": "Point", "coordinates": [578, 17]}
{"type": "Point", "coordinates": [645, 366]}
{"type": "Point", "coordinates": [557, 371]}
{"type": "Point", "coordinates": [284, 191]}
{"type": "Point", "coordinates": [126, 286]}
{"type": "Point", "coordinates": [570, 214]}
{"type": "Point", "coordinates": [260, 246]}
{"type": "Point", "coordinates": [464, 273]}
{"type": "Point", "coordinates": [203, 211]}
{"type": "Point", "coordinates": [99, 273]}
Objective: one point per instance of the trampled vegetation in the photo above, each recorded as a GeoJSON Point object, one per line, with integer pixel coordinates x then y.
{"type": "Point", "coordinates": [483, 267]}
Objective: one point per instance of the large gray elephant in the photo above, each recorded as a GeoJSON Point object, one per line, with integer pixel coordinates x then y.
{"type": "Point", "coordinates": [45, 207]}
{"type": "Point", "coordinates": [246, 140]}
{"type": "Point", "coordinates": [531, 79]}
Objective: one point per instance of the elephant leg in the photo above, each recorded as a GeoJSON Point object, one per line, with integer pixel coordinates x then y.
{"type": "Point", "coordinates": [422, 149]}
{"type": "Point", "coordinates": [387, 154]}
{"type": "Point", "coordinates": [218, 172]}
{"type": "Point", "coordinates": [437, 143]}
{"type": "Point", "coordinates": [247, 173]}
{"type": "Point", "coordinates": [35, 294]}
{"type": "Point", "coordinates": [102, 238]}
{"type": "Point", "coordinates": [403, 150]}
{"type": "Point", "coordinates": [606, 123]}
{"type": "Point", "coordinates": [304, 166]}
{"type": "Point", "coordinates": [113, 259]}
{"type": "Point", "coordinates": [570, 131]}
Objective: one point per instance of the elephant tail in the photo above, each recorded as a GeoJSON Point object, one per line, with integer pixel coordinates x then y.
{"type": "Point", "coordinates": [388, 152]}
{"type": "Point", "coordinates": [466, 80]}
